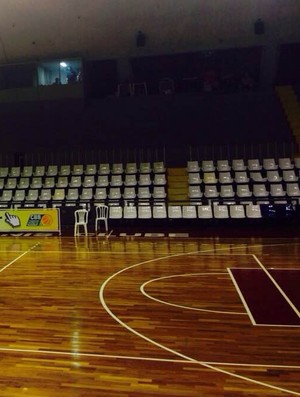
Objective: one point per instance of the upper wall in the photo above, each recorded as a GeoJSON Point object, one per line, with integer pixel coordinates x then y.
{"type": "Point", "coordinates": [101, 29]}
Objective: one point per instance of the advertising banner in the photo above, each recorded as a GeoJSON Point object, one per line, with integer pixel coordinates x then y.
{"type": "Point", "coordinates": [30, 220]}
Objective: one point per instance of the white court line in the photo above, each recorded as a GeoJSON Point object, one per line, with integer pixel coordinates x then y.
{"type": "Point", "coordinates": [277, 286]}
{"type": "Point", "coordinates": [19, 257]}
{"type": "Point", "coordinates": [211, 274]}
{"type": "Point", "coordinates": [140, 358]}
{"type": "Point", "coordinates": [163, 347]}
{"type": "Point", "coordinates": [241, 297]}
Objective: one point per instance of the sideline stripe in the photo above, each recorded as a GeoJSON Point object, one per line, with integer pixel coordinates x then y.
{"type": "Point", "coordinates": [19, 257]}
{"type": "Point", "coordinates": [277, 286]}
{"type": "Point", "coordinates": [139, 358]}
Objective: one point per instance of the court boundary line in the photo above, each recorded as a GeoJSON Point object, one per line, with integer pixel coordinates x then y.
{"type": "Point", "coordinates": [140, 358]}
{"type": "Point", "coordinates": [19, 257]}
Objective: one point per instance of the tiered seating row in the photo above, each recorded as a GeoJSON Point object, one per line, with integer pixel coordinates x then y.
{"type": "Point", "coordinates": [73, 185]}
{"type": "Point", "coordinates": [239, 180]}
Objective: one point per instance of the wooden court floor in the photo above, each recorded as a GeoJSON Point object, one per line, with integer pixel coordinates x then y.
{"type": "Point", "coordinates": [96, 316]}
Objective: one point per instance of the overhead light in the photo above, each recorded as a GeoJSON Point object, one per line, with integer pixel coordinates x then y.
{"type": "Point", "coordinates": [63, 64]}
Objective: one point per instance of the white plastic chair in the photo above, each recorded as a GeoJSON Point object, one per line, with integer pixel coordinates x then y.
{"type": "Point", "coordinates": [115, 212]}
{"type": "Point", "coordinates": [257, 177]}
{"type": "Point", "coordinates": [292, 190]}
{"type": "Point", "coordinates": [130, 212]}
{"type": "Point", "coordinates": [193, 166]}
{"type": "Point", "coordinates": [45, 196]}
{"type": "Point", "coordinates": [207, 166]}
{"type": "Point", "coordinates": [3, 172]}
{"type": "Point", "coordinates": [145, 180]}
{"type": "Point", "coordinates": [226, 191]}
{"type": "Point", "coordinates": [36, 182]}
{"type": "Point", "coordinates": [194, 178]}
{"type": "Point", "coordinates": [174, 212]}
{"type": "Point", "coordinates": [81, 220]}
{"type": "Point", "coordinates": [237, 211]}
{"type": "Point", "coordinates": [273, 176]}
{"type": "Point", "coordinates": [90, 169]}
{"type": "Point", "coordinates": [52, 170]}
{"type": "Point", "coordinates": [102, 181]}
{"type": "Point", "coordinates": [159, 167]}
{"type": "Point", "coordinates": [129, 193]}
{"type": "Point", "coordinates": [269, 164]}
{"type": "Point", "coordinates": [210, 191]}
{"type": "Point", "coordinates": [238, 165]}
{"type": "Point", "coordinates": [75, 181]}
{"type": "Point", "coordinates": [114, 193]}
{"type": "Point", "coordinates": [14, 172]}
{"type": "Point", "coordinates": [130, 168]}
{"type": "Point", "coordinates": [241, 177]}
{"type": "Point", "coordinates": [223, 166]}
{"type": "Point", "coordinates": [276, 190]}
{"type": "Point", "coordinates": [289, 176]}
{"type": "Point", "coordinates": [159, 193]}
{"type": "Point", "coordinates": [130, 180]}
{"type": "Point", "coordinates": [27, 171]}
{"type": "Point", "coordinates": [77, 169]}
{"type": "Point", "coordinates": [19, 196]}
{"type": "Point", "coordinates": [23, 183]}
{"type": "Point", "coordinates": [72, 196]}
{"type": "Point", "coordinates": [6, 198]}
{"type": "Point", "coordinates": [254, 165]}
{"type": "Point", "coordinates": [285, 163]}
{"type": "Point", "coordinates": [11, 184]}
{"type": "Point", "coordinates": [220, 211]}
{"type": "Point", "coordinates": [144, 193]}
{"type": "Point", "coordinates": [65, 170]}
{"type": "Point", "coordinates": [159, 179]}
{"type": "Point", "coordinates": [49, 182]}
{"type": "Point", "coordinates": [58, 196]}
{"type": "Point", "coordinates": [205, 212]}
{"type": "Point", "coordinates": [259, 190]}
{"type": "Point", "coordinates": [39, 170]}
{"type": "Point", "coordinates": [101, 215]}
{"type": "Point", "coordinates": [104, 169]}
{"type": "Point", "coordinates": [253, 211]}
{"type": "Point", "coordinates": [116, 180]}
{"type": "Point", "coordinates": [145, 168]}
{"type": "Point", "coordinates": [159, 211]}
{"type": "Point", "coordinates": [210, 178]}
{"type": "Point", "coordinates": [100, 194]}
{"type": "Point", "coordinates": [189, 212]}
{"type": "Point", "coordinates": [243, 191]}
{"type": "Point", "coordinates": [225, 177]}
{"type": "Point", "coordinates": [31, 197]}
{"type": "Point", "coordinates": [62, 182]}
{"type": "Point", "coordinates": [195, 192]}
{"type": "Point", "coordinates": [144, 212]}
{"type": "Point", "coordinates": [86, 194]}
{"type": "Point", "coordinates": [88, 181]}
{"type": "Point", "coordinates": [117, 168]}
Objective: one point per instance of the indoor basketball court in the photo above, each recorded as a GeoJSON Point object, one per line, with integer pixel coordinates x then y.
{"type": "Point", "coordinates": [129, 316]}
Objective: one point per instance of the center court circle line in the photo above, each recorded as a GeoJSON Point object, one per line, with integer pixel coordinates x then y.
{"type": "Point", "coordinates": [174, 352]}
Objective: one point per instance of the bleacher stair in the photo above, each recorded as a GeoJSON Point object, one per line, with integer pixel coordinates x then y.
{"type": "Point", "coordinates": [177, 185]}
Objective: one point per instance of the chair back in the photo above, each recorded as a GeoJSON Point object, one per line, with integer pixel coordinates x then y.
{"type": "Point", "coordinates": [81, 216]}
{"type": "Point", "coordinates": [101, 211]}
